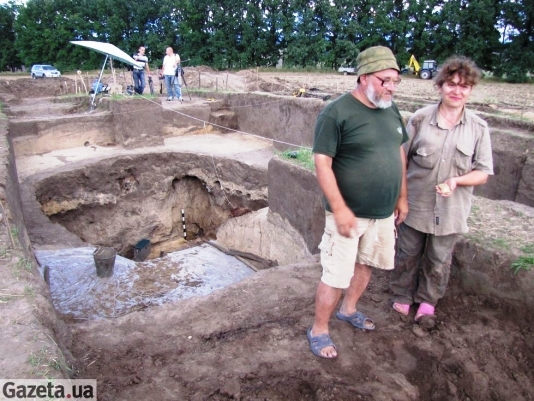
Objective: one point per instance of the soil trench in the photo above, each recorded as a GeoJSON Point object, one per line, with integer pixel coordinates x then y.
{"type": "Point", "coordinates": [247, 340]}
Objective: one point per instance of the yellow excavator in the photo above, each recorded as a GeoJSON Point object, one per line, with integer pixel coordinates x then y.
{"type": "Point", "coordinates": [427, 71]}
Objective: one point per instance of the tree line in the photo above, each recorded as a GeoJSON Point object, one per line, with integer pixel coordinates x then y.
{"type": "Point", "coordinates": [238, 34]}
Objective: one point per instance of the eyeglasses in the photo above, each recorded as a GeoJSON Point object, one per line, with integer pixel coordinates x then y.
{"type": "Point", "coordinates": [389, 81]}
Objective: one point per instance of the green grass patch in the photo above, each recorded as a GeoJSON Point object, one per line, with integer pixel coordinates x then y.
{"type": "Point", "coordinates": [303, 157]}
{"type": "Point", "coordinates": [29, 291]}
{"type": "Point", "coordinates": [500, 243]}
{"type": "Point", "coordinates": [15, 232]}
{"type": "Point", "coordinates": [43, 362]}
{"type": "Point", "coordinates": [528, 248]}
{"type": "Point", "coordinates": [21, 267]}
{"type": "Point", "coordinates": [523, 263]}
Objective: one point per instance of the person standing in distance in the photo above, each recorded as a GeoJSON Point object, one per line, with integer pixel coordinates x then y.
{"type": "Point", "coordinates": [448, 153]}
{"type": "Point", "coordinates": [139, 72]}
{"type": "Point", "coordinates": [171, 74]}
{"type": "Point", "coordinates": [359, 164]}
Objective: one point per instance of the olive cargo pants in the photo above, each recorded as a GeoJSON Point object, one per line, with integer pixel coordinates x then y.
{"type": "Point", "coordinates": [422, 266]}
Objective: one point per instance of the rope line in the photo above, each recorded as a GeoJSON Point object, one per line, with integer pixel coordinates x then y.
{"type": "Point", "coordinates": [223, 127]}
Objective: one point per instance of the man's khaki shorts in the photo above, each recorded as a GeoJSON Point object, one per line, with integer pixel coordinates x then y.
{"type": "Point", "coordinates": [372, 243]}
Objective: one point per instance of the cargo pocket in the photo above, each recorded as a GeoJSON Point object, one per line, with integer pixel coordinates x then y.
{"type": "Point", "coordinates": [327, 244]}
{"type": "Point", "coordinates": [463, 158]}
{"type": "Point", "coordinates": [426, 157]}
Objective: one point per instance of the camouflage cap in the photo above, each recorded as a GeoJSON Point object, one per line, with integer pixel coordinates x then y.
{"type": "Point", "coordinates": [375, 59]}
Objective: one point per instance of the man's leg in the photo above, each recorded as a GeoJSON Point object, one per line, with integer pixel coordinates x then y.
{"type": "Point", "coordinates": [338, 254]}
{"type": "Point", "coordinates": [168, 85]}
{"type": "Point", "coordinates": [141, 78]}
{"type": "Point", "coordinates": [358, 284]}
{"type": "Point", "coordinates": [404, 278]}
{"type": "Point", "coordinates": [326, 299]}
{"type": "Point", "coordinates": [376, 248]}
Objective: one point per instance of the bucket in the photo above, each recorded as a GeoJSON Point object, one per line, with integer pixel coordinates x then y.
{"type": "Point", "coordinates": [104, 261]}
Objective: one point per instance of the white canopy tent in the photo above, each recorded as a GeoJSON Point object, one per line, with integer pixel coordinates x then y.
{"type": "Point", "coordinates": [110, 51]}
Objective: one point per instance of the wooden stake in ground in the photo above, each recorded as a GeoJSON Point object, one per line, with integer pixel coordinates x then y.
{"type": "Point", "coordinates": [524, 105]}
{"type": "Point", "coordinates": [112, 71]}
{"type": "Point", "coordinates": [83, 82]}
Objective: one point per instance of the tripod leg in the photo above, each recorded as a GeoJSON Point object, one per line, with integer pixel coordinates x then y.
{"type": "Point", "coordinates": [151, 85]}
{"type": "Point", "coordinates": [186, 87]}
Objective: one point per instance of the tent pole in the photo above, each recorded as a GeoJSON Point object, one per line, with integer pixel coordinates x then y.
{"type": "Point", "coordinates": [98, 83]}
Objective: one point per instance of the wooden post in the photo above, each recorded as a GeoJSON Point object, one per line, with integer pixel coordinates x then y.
{"type": "Point", "coordinates": [199, 80]}
{"type": "Point", "coordinates": [524, 105]}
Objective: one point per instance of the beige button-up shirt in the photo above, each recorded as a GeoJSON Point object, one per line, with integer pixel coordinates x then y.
{"type": "Point", "coordinates": [435, 154]}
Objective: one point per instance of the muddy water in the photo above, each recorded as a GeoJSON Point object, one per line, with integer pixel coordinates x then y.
{"type": "Point", "coordinates": [79, 294]}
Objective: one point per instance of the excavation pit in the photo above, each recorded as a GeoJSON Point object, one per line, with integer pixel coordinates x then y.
{"type": "Point", "coordinates": [247, 340]}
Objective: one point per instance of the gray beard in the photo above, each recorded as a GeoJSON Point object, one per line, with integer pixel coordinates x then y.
{"type": "Point", "coordinates": [375, 99]}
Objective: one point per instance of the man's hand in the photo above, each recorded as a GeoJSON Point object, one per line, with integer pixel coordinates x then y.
{"type": "Point", "coordinates": [401, 210]}
{"type": "Point", "coordinates": [345, 221]}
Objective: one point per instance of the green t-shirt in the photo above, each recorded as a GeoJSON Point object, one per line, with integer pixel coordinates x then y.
{"type": "Point", "coordinates": [364, 144]}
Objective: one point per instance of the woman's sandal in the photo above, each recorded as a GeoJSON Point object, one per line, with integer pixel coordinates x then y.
{"type": "Point", "coordinates": [424, 310]}
{"type": "Point", "coordinates": [403, 309]}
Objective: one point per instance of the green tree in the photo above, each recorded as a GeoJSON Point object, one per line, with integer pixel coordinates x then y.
{"type": "Point", "coordinates": [8, 55]}
{"type": "Point", "coordinates": [516, 59]}
{"type": "Point", "coordinates": [44, 29]}
{"type": "Point", "coordinates": [478, 37]}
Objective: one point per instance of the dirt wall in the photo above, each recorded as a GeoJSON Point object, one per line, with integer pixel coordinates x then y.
{"type": "Point", "coordinates": [32, 336]}
{"type": "Point", "coordinates": [287, 120]}
{"type": "Point", "coordinates": [295, 195]}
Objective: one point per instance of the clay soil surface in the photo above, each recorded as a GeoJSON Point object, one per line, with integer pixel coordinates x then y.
{"type": "Point", "coordinates": [248, 341]}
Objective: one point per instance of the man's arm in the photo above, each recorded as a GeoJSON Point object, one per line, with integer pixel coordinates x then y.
{"type": "Point", "coordinates": [401, 208]}
{"type": "Point", "coordinates": [345, 218]}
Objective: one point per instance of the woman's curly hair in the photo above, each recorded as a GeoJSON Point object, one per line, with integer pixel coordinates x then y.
{"type": "Point", "coordinates": [461, 65]}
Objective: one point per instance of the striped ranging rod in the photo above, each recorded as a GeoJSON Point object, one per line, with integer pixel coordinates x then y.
{"type": "Point", "coordinates": [183, 224]}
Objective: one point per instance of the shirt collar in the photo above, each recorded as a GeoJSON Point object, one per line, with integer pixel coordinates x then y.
{"type": "Point", "coordinates": [434, 119]}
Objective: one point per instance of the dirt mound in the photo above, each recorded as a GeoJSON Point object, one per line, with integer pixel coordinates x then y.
{"type": "Point", "coordinates": [14, 89]}
{"type": "Point", "coordinates": [200, 68]}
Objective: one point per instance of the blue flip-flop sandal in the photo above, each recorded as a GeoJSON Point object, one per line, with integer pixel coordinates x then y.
{"type": "Point", "coordinates": [317, 343]}
{"type": "Point", "coordinates": [357, 319]}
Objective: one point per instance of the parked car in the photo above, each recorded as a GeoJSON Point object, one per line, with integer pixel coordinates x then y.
{"type": "Point", "coordinates": [44, 70]}
{"type": "Point", "coordinates": [346, 70]}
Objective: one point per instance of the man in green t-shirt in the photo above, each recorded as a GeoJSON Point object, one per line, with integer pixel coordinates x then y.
{"type": "Point", "coordinates": [360, 167]}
